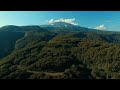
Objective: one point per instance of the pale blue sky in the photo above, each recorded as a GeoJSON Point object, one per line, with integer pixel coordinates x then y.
{"type": "Point", "coordinates": [109, 20]}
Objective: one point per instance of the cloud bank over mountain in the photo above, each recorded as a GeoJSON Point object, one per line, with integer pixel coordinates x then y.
{"type": "Point", "coordinates": [70, 21]}
{"type": "Point", "coordinates": [100, 27]}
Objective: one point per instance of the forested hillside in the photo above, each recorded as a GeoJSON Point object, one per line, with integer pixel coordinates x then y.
{"type": "Point", "coordinates": [7, 42]}
{"type": "Point", "coordinates": [54, 53]}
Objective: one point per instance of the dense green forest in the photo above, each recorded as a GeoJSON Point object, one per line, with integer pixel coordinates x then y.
{"type": "Point", "coordinates": [52, 52]}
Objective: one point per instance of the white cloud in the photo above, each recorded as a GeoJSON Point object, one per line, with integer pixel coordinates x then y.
{"type": "Point", "coordinates": [70, 21]}
{"type": "Point", "coordinates": [100, 27]}
{"type": "Point", "coordinates": [51, 21]}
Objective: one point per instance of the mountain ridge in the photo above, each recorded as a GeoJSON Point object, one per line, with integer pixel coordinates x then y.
{"type": "Point", "coordinates": [65, 52]}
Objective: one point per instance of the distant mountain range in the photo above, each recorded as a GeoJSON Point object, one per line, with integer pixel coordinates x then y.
{"type": "Point", "coordinates": [64, 26]}
{"type": "Point", "coordinates": [58, 51]}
